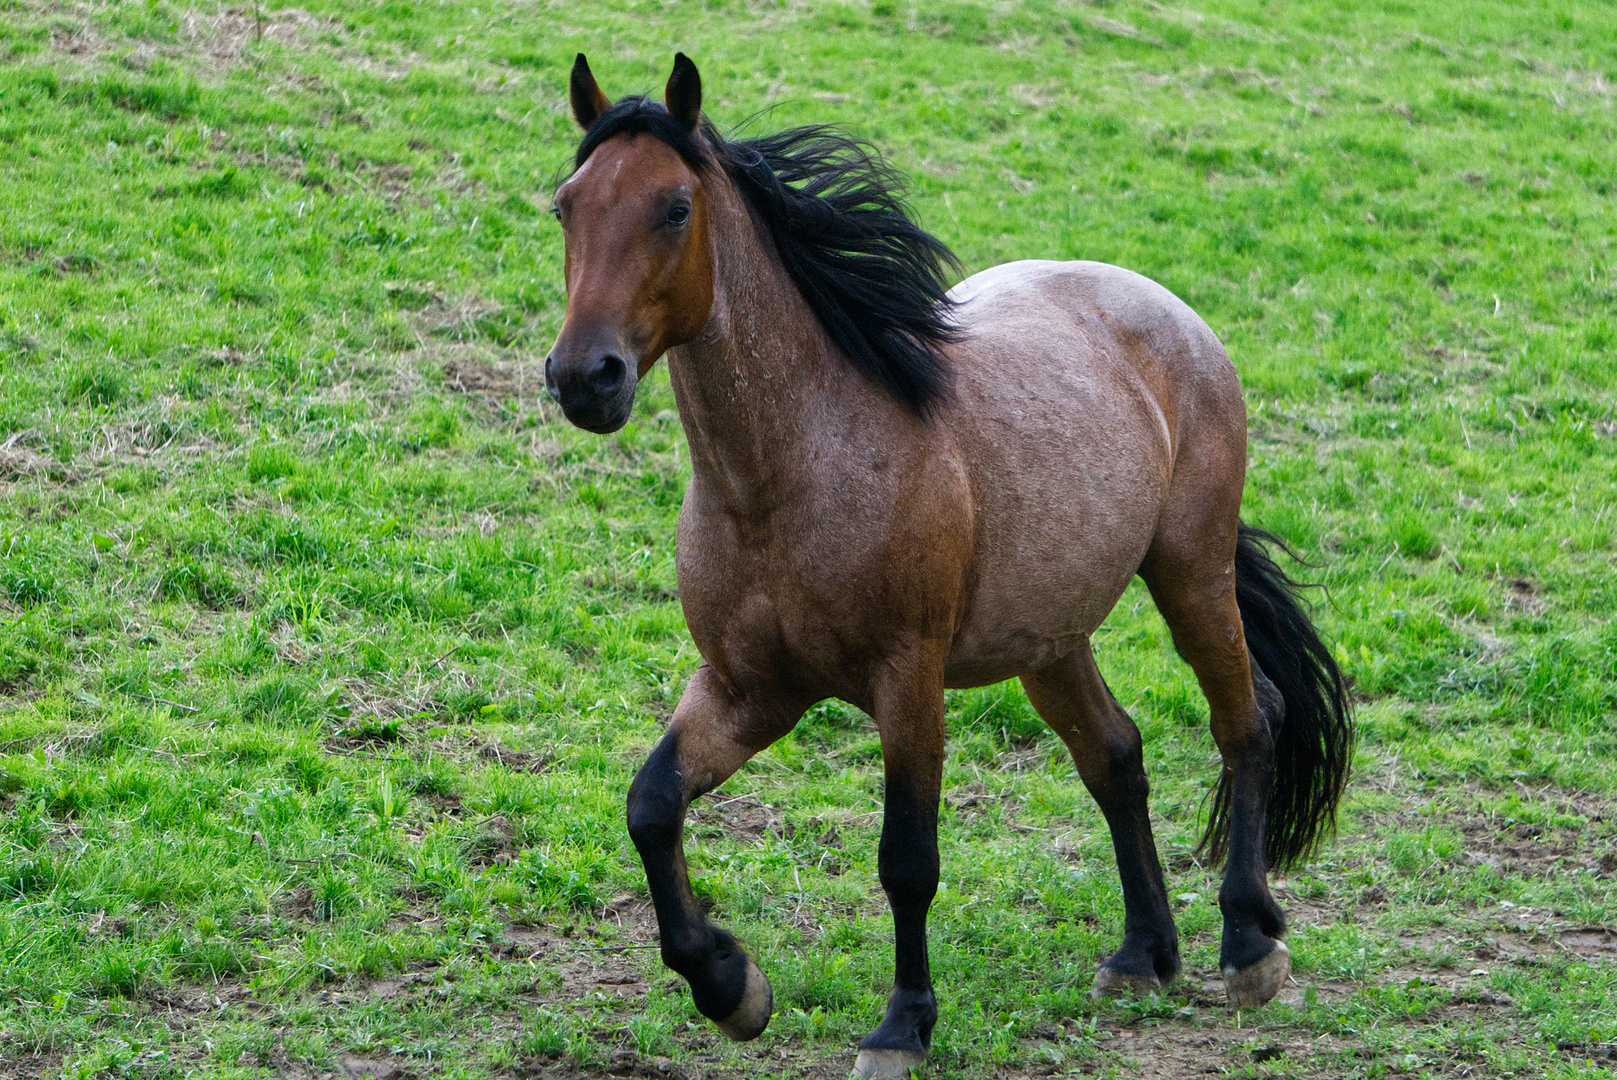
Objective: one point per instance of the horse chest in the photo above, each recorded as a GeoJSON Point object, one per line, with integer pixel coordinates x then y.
{"type": "Point", "coordinates": [822, 590]}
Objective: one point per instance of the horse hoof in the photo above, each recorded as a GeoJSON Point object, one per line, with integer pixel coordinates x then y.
{"type": "Point", "coordinates": [888, 1064]}
{"type": "Point", "coordinates": [1258, 983]}
{"type": "Point", "coordinates": [1109, 982]}
{"type": "Point", "coordinates": [757, 1004]}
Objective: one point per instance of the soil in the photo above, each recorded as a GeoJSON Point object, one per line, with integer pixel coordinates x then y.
{"type": "Point", "coordinates": [742, 816]}
{"type": "Point", "coordinates": [467, 373]}
{"type": "Point", "coordinates": [1202, 1038]}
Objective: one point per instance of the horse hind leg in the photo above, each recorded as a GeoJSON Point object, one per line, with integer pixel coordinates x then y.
{"type": "Point", "coordinates": [1191, 577]}
{"type": "Point", "coordinates": [1105, 745]}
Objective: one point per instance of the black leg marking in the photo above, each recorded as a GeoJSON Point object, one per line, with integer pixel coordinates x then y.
{"type": "Point", "coordinates": [725, 984]}
{"type": "Point", "coordinates": [1252, 919]}
{"type": "Point", "coordinates": [1150, 949]}
{"type": "Point", "coordinates": [909, 868]}
{"type": "Point", "coordinates": [1105, 745]}
{"type": "Point", "coordinates": [1252, 958]}
{"type": "Point", "coordinates": [909, 875]}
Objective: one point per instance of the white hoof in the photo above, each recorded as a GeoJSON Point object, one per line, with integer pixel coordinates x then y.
{"type": "Point", "coordinates": [752, 1015]}
{"type": "Point", "coordinates": [1110, 982]}
{"type": "Point", "coordinates": [888, 1064]}
{"type": "Point", "coordinates": [1258, 983]}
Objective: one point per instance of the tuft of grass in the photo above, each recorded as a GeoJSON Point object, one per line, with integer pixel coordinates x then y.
{"type": "Point", "coordinates": [99, 385]}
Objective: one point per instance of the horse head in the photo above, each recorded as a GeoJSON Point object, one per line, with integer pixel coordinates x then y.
{"type": "Point", "coordinates": [639, 264]}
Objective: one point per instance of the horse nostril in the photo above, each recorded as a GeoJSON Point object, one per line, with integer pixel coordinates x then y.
{"type": "Point", "coordinates": [550, 380]}
{"type": "Point", "coordinates": [608, 376]}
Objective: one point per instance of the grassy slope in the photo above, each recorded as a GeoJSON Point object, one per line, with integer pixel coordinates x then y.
{"type": "Point", "coordinates": [292, 556]}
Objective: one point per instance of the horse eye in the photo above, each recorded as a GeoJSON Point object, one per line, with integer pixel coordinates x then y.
{"type": "Point", "coordinates": [555, 211]}
{"type": "Point", "coordinates": [678, 214]}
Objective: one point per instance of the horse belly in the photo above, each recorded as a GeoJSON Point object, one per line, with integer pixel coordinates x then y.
{"type": "Point", "coordinates": [1070, 456]}
{"type": "Point", "coordinates": [1043, 582]}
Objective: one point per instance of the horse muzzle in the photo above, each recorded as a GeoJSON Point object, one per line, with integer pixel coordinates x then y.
{"type": "Point", "coordinates": [595, 390]}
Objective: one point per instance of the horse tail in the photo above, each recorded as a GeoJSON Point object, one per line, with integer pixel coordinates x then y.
{"type": "Point", "coordinates": [1313, 736]}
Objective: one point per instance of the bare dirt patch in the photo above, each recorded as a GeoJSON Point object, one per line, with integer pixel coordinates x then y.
{"type": "Point", "coordinates": [391, 178]}
{"type": "Point", "coordinates": [297, 903]}
{"type": "Point", "coordinates": [18, 462]}
{"type": "Point", "coordinates": [469, 373]}
{"type": "Point", "coordinates": [742, 816]}
{"type": "Point", "coordinates": [977, 800]}
{"type": "Point", "coordinates": [514, 760]}
{"type": "Point", "coordinates": [27, 1066]}
{"type": "Point", "coordinates": [1530, 851]}
{"type": "Point", "coordinates": [1593, 942]}
{"type": "Point", "coordinates": [580, 971]}
{"type": "Point", "coordinates": [488, 751]}
{"type": "Point", "coordinates": [223, 37]}
{"type": "Point", "coordinates": [149, 438]}
{"type": "Point", "coordinates": [461, 319]}
{"type": "Point", "coordinates": [372, 1068]}
{"type": "Point", "coordinates": [1197, 1047]}
{"type": "Point", "coordinates": [1523, 595]}
{"type": "Point", "coordinates": [217, 40]}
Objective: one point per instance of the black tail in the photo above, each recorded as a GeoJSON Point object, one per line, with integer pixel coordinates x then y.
{"type": "Point", "coordinates": [1314, 739]}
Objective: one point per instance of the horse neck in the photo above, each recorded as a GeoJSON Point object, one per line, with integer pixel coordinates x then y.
{"type": "Point", "coordinates": [751, 384]}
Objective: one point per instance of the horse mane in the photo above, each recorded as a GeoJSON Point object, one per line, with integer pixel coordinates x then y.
{"type": "Point", "coordinates": [836, 212]}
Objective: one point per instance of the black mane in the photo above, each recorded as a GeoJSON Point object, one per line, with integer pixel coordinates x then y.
{"type": "Point", "coordinates": [836, 213]}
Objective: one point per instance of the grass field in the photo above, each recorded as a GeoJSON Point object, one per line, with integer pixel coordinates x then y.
{"type": "Point", "coordinates": [328, 649]}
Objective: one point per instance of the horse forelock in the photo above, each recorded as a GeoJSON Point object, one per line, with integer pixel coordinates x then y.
{"type": "Point", "coordinates": [642, 116]}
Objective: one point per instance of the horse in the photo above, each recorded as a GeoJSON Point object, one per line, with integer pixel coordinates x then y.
{"type": "Point", "coordinates": [899, 487]}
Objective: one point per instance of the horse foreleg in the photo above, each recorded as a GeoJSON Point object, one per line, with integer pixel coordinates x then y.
{"type": "Point", "coordinates": [1105, 745]}
{"type": "Point", "coordinates": [713, 733]}
{"type": "Point", "coordinates": [909, 716]}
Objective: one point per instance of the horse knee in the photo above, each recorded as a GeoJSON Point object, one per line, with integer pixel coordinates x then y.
{"type": "Point", "coordinates": [656, 805]}
{"type": "Point", "coordinates": [1124, 751]}
{"type": "Point", "coordinates": [1250, 753]}
{"type": "Point", "coordinates": [909, 874]}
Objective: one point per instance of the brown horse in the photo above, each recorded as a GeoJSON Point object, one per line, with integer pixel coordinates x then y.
{"type": "Point", "coordinates": [896, 489]}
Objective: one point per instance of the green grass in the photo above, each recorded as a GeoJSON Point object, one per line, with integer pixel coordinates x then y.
{"type": "Point", "coordinates": [328, 651]}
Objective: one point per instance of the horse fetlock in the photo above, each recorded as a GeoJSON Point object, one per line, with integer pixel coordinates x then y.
{"type": "Point", "coordinates": [1272, 919]}
{"type": "Point", "coordinates": [1267, 918]}
{"type": "Point", "coordinates": [1145, 965]}
{"type": "Point", "coordinates": [1247, 903]}
{"type": "Point", "coordinates": [727, 986]}
{"type": "Point", "coordinates": [898, 1048]}
{"type": "Point", "coordinates": [907, 1026]}
{"type": "Point", "coordinates": [692, 950]}
{"type": "Point", "coordinates": [1258, 982]}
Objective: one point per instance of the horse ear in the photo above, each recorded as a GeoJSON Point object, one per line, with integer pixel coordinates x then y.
{"type": "Point", "coordinates": [588, 101]}
{"type": "Point", "coordinates": [683, 95]}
